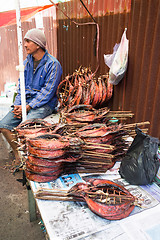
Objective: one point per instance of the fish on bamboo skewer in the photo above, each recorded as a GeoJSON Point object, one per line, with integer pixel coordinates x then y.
{"type": "Point", "coordinates": [31, 128]}
{"type": "Point", "coordinates": [41, 178]}
{"type": "Point", "coordinates": [25, 132]}
{"type": "Point", "coordinates": [34, 123]}
{"type": "Point", "coordinates": [96, 97]}
{"type": "Point", "coordinates": [87, 97]}
{"type": "Point", "coordinates": [44, 162]}
{"type": "Point", "coordinates": [82, 87]}
{"type": "Point", "coordinates": [39, 161]}
{"type": "Point", "coordinates": [108, 139]}
{"type": "Point", "coordinates": [86, 113]}
{"type": "Point", "coordinates": [97, 130]}
{"type": "Point", "coordinates": [123, 126]}
{"type": "Point", "coordinates": [80, 107]}
{"type": "Point", "coordinates": [89, 167]}
{"type": "Point", "coordinates": [105, 198]}
{"type": "Point", "coordinates": [64, 90]}
{"type": "Point", "coordinates": [38, 152]}
{"type": "Point", "coordinates": [75, 96]}
{"type": "Point", "coordinates": [100, 90]}
{"type": "Point", "coordinates": [82, 111]}
{"type": "Point", "coordinates": [49, 142]}
{"type": "Point", "coordinates": [42, 169]}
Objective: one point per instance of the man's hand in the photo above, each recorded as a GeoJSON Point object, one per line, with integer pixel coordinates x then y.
{"type": "Point", "coordinates": [18, 110]}
{"type": "Point", "coordinates": [28, 108]}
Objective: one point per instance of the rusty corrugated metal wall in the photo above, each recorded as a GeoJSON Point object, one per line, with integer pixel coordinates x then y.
{"type": "Point", "coordinates": [8, 56]}
{"type": "Point", "coordinates": [142, 83]}
{"type": "Point", "coordinates": [77, 44]}
{"type": "Point", "coordinates": [139, 91]}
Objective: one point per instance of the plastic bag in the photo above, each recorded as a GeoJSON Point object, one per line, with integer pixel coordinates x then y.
{"type": "Point", "coordinates": [118, 60]}
{"type": "Point", "coordinates": [140, 165]}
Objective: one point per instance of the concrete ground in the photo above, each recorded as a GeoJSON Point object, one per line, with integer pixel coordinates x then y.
{"type": "Point", "coordinates": [14, 215]}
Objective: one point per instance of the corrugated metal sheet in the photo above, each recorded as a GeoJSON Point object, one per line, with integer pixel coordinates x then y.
{"type": "Point", "coordinates": [78, 43]}
{"type": "Point", "coordinates": [139, 91]}
{"type": "Point", "coordinates": [8, 53]}
{"type": "Point", "coordinates": [142, 90]}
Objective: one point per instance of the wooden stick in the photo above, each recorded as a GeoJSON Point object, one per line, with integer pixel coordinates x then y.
{"type": "Point", "coordinates": [105, 155]}
{"type": "Point", "coordinates": [121, 112]}
{"type": "Point", "coordinates": [54, 190]}
{"type": "Point", "coordinates": [94, 162]}
{"type": "Point", "coordinates": [101, 145]}
{"type": "Point", "coordinates": [136, 124]}
{"type": "Point", "coordinates": [86, 147]}
{"type": "Point", "coordinates": [58, 199]}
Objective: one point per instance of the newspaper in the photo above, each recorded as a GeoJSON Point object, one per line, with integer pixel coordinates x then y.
{"type": "Point", "coordinates": [74, 220]}
{"type": "Point", "coordinates": [67, 220]}
{"type": "Point", "coordinates": [143, 226]}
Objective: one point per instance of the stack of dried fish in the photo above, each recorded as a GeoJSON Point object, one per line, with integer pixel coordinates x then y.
{"type": "Point", "coordinates": [82, 88]}
{"type": "Point", "coordinates": [46, 157]}
{"type": "Point", "coordinates": [102, 146]}
{"type": "Point", "coordinates": [103, 143]}
{"type": "Point", "coordinates": [84, 146]}
{"type": "Point", "coordinates": [44, 151]}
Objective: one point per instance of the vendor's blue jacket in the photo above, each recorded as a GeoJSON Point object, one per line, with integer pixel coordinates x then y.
{"type": "Point", "coordinates": [41, 86]}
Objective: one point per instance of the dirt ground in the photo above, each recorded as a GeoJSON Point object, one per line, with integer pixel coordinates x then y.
{"type": "Point", "coordinates": [14, 221]}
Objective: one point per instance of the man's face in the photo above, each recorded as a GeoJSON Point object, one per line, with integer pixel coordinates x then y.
{"type": "Point", "coordinates": [31, 47]}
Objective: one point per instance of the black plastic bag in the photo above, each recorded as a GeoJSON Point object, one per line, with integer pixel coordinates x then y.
{"type": "Point", "coordinates": [140, 165]}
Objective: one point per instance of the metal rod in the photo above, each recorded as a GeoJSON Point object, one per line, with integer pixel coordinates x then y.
{"type": "Point", "coordinates": [21, 66]}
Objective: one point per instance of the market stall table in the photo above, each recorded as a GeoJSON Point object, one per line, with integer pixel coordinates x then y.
{"type": "Point", "coordinates": [65, 220]}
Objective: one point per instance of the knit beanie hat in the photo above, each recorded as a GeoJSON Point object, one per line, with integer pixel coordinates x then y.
{"type": "Point", "coordinates": [36, 36]}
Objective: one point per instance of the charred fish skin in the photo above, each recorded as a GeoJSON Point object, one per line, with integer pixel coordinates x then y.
{"type": "Point", "coordinates": [33, 123]}
{"type": "Point", "coordinates": [49, 142]}
{"type": "Point", "coordinates": [105, 198]}
{"type": "Point", "coordinates": [39, 178]}
{"type": "Point", "coordinates": [114, 212]}
{"type": "Point", "coordinates": [45, 153]}
{"type": "Point", "coordinates": [41, 169]}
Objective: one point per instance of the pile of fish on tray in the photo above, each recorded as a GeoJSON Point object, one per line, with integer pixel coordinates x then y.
{"type": "Point", "coordinates": [75, 144]}
{"type": "Point", "coordinates": [82, 87]}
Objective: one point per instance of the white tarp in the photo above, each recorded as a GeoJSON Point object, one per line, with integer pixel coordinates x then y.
{"type": "Point", "coordinates": [10, 4]}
